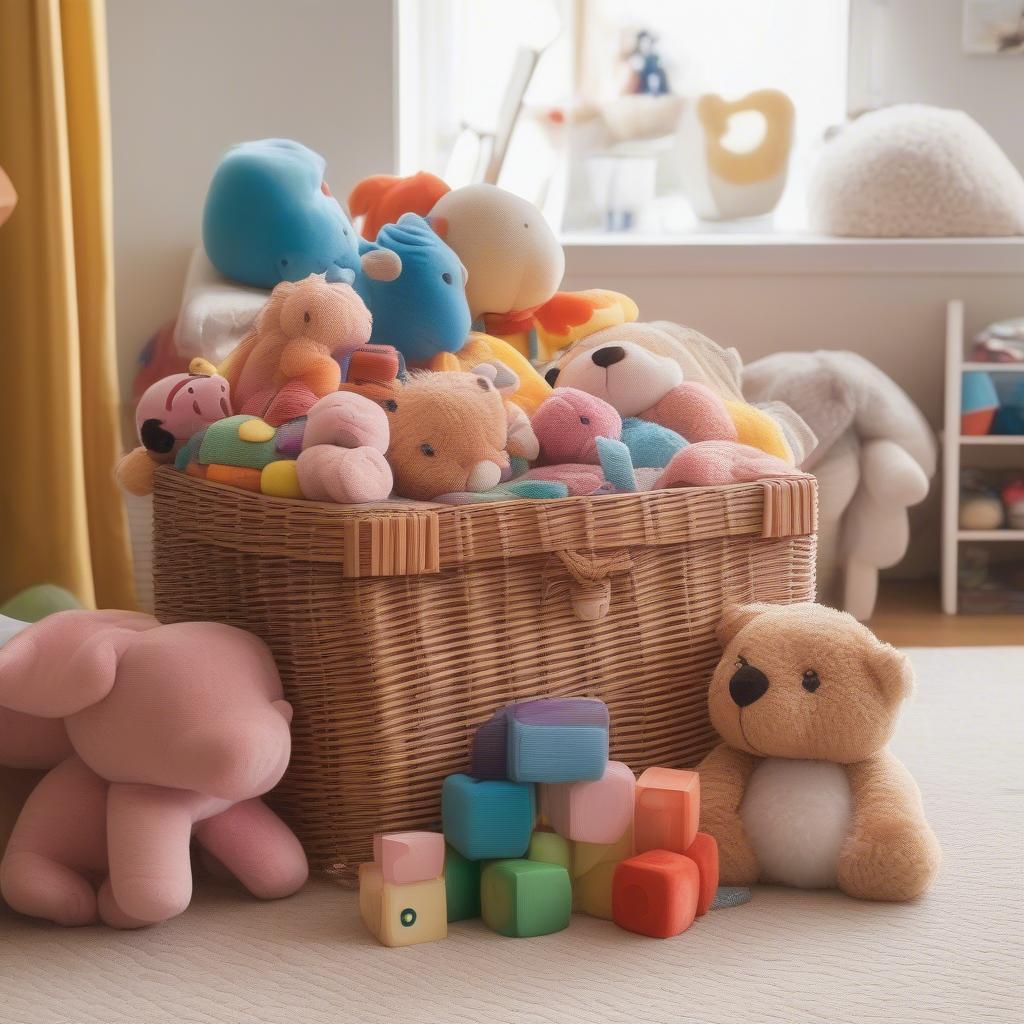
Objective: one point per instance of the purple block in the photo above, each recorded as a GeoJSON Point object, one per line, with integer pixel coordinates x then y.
{"type": "Point", "coordinates": [489, 758]}
{"type": "Point", "coordinates": [490, 744]}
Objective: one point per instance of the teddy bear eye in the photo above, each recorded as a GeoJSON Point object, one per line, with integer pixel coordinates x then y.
{"type": "Point", "coordinates": [446, 277]}
{"type": "Point", "coordinates": [305, 316]}
{"type": "Point", "coordinates": [391, 405]}
{"type": "Point", "coordinates": [585, 420]}
{"type": "Point", "coordinates": [427, 449]}
{"type": "Point", "coordinates": [811, 680]}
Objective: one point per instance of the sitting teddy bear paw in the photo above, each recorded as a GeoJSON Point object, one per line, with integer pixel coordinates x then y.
{"type": "Point", "coordinates": [737, 863]}
{"type": "Point", "coordinates": [344, 475]}
{"type": "Point", "coordinates": [895, 860]}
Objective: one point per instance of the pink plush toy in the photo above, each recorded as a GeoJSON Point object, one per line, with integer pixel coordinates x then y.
{"type": "Point", "coordinates": [568, 423]}
{"type": "Point", "coordinates": [710, 463]}
{"type": "Point", "coordinates": [174, 731]}
{"type": "Point", "coordinates": [169, 412]}
{"type": "Point", "coordinates": [343, 449]}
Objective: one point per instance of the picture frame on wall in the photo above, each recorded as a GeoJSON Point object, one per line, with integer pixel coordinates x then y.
{"type": "Point", "coordinates": [993, 27]}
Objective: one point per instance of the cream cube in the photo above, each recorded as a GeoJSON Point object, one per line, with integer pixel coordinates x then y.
{"type": "Point", "coordinates": [402, 915]}
{"type": "Point", "coordinates": [592, 812]}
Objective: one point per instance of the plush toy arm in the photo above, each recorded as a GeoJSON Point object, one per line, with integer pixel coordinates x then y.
{"type": "Point", "coordinates": [693, 410]}
{"type": "Point", "coordinates": [891, 852]}
{"type": "Point", "coordinates": [724, 774]}
{"type": "Point", "coordinates": [149, 829]}
{"type": "Point", "coordinates": [306, 359]}
{"type": "Point", "coordinates": [256, 846]}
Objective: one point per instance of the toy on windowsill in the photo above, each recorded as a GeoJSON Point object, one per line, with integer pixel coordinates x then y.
{"type": "Point", "coordinates": [168, 414]}
{"type": "Point", "coordinates": [802, 791]}
{"type": "Point", "coordinates": [175, 733]}
{"type": "Point", "coordinates": [334, 453]}
{"type": "Point", "coordinates": [1013, 499]}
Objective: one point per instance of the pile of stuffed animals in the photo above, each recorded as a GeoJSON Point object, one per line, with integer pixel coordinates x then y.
{"type": "Point", "coordinates": [361, 378]}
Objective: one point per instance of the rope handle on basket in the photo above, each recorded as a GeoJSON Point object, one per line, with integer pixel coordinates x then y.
{"type": "Point", "coordinates": [591, 588]}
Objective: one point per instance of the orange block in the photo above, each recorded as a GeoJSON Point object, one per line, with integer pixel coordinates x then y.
{"type": "Point", "coordinates": [703, 852]}
{"type": "Point", "coordinates": [655, 893]}
{"type": "Point", "coordinates": [667, 810]}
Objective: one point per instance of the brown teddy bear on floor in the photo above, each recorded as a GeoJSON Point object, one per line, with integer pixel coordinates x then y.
{"type": "Point", "coordinates": [803, 791]}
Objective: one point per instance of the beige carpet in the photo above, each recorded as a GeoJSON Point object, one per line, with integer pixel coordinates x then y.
{"type": "Point", "coordinates": [785, 957]}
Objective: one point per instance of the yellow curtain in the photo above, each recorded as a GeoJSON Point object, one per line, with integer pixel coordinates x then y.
{"type": "Point", "coordinates": [61, 516]}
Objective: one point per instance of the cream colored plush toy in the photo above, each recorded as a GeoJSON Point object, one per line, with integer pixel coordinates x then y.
{"type": "Point", "coordinates": [803, 791]}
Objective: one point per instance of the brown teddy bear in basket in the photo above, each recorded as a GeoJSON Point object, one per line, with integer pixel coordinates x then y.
{"type": "Point", "coordinates": [803, 791]}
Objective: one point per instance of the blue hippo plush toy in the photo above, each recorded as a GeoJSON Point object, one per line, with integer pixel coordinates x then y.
{"type": "Point", "coordinates": [424, 310]}
{"type": "Point", "coordinates": [270, 217]}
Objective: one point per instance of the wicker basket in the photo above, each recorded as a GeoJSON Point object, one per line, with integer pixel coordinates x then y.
{"type": "Point", "coordinates": [398, 628]}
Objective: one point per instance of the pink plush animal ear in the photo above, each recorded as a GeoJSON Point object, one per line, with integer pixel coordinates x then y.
{"type": "Point", "coordinates": [65, 662]}
{"type": "Point", "coordinates": [736, 617]}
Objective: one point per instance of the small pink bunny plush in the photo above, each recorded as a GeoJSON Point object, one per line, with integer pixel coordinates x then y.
{"type": "Point", "coordinates": [173, 732]}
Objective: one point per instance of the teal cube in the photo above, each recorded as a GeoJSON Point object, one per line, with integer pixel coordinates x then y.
{"type": "Point", "coordinates": [551, 848]}
{"type": "Point", "coordinates": [461, 885]}
{"type": "Point", "coordinates": [487, 820]}
{"type": "Point", "coordinates": [562, 739]}
{"type": "Point", "coordinates": [522, 898]}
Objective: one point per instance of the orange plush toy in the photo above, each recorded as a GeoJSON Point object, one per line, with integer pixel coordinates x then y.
{"type": "Point", "coordinates": [287, 361]}
{"type": "Point", "coordinates": [383, 198]}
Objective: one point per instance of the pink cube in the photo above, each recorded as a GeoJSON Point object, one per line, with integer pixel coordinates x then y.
{"type": "Point", "coordinates": [406, 857]}
{"type": "Point", "coordinates": [667, 810]}
{"type": "Point", "coordinates": [591, 812]}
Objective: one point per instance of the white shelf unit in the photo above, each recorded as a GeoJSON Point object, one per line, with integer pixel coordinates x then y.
{"type": "Point", "coordinates": [952, 442]}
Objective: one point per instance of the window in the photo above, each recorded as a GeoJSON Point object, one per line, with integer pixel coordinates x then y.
{"type": "Point", "coordinates": [466, 64]}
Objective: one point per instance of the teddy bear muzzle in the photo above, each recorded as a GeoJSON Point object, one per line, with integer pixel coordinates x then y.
{"type": "Point", "coordinates": [748, 684]}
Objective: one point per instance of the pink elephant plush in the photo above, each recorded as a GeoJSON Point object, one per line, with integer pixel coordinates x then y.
{"type": "Point", "coordinates": [173, 732]}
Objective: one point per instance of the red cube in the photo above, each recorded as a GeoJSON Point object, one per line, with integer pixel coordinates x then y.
{"type": "Point", "coordinates": [655, 893]}
{"type": "Point", "coordinates": [703, 851]}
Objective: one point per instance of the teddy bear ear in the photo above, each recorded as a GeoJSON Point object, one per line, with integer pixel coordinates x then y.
{"type": "Point", "coordinates": [893, 672]}
{"type": "Point", "coordinates": [734, 618]}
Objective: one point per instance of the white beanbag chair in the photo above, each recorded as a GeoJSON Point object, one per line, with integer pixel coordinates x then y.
{"type": "Point", "coordinates": [914, 171]}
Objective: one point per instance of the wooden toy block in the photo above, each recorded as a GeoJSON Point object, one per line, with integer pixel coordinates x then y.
{"type": "Point", "coordinates": [703, 851]}
{"type": "Point", "coordinates": [655, 893]}
{"type": "Point", "coordinates": [521, 898]}
{"type": "Point", "coordinates": [599, 811]}
{"type": "Point", "coordinates": [402, 915]}
{"type": "Point", "coordinates": [667, 810]}
{"type": "Point", "coordinates": [488, 819]}
{"type": "Point", "coordinates": [592, 892]}
{"type": "Point", "coordinates": [586, 856]}
{"type": "Point", "coordinates": [409, 856]}
{"type": "Point", "coordinates": [551, 848]}
{"type": "Point", "coordinates": [461, 886]}
{"type": "Point", "coordinates": [557, 740]}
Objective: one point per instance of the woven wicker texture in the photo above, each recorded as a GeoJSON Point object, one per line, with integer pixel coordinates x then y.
{"type": "Point", "coordinates": [399, 628]}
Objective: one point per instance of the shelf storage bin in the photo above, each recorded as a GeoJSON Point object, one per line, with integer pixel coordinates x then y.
{"type": "Point", "coordinates": [398, 628]}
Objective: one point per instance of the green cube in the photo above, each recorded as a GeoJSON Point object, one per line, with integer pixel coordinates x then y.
{"type": "Point", "coordinates": [462, 885]}
{"type": "Point", "coordinates": [521, 898]}
{"type": "Point", "coordinates": [551, 848]}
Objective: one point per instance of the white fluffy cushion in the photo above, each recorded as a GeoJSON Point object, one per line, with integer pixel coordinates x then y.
{"type": "Point", "coordinates": [915, 171]}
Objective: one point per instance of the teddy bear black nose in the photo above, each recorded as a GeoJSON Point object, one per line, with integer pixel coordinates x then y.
{"type": "Point", "coordinates": [609, 355]}
{"type": "Point", "coordinates": [747, 685]}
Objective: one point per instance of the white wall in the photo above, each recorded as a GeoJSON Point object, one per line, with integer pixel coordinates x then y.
{"type": "Point", "coordinates": [905, 51]}
{"type": "Point", "coordinates": [188, 78]}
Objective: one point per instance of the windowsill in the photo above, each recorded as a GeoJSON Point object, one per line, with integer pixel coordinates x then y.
{"type": "Point", "coordinates": [636, 253]}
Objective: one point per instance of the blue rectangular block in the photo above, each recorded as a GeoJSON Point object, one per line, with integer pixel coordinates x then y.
{"type": "Point", "coordinates": [487, 819]}
{"type": "Point", "coordinates": [557, 740]}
